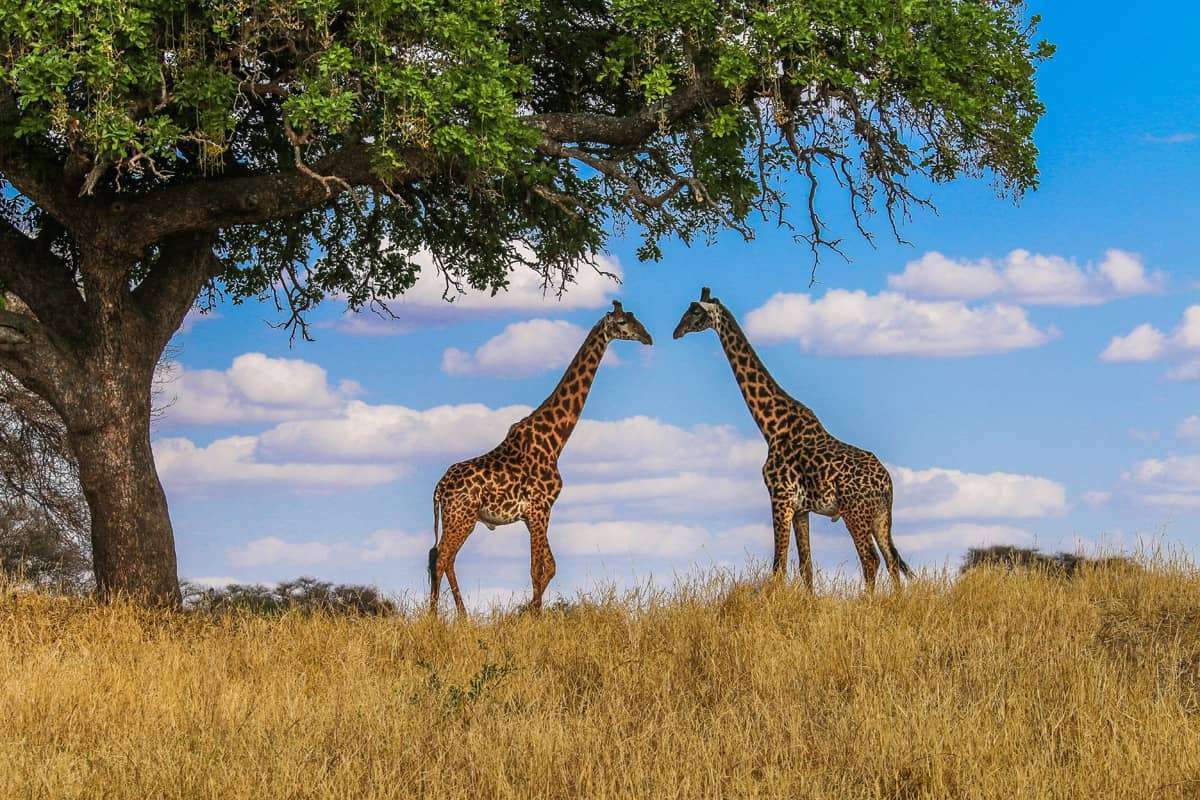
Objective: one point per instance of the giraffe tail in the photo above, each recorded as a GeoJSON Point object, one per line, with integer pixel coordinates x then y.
{"type": "Point", "coordinates": [891, 544]}
{"type": "Point", "coordinates": [433, 551]}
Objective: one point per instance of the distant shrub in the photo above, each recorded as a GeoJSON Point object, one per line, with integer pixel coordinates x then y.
{"type": "Point", "coordinates": [307, 595]}
{"type": "Point", "coordinates": [35, 550]}
{"type": "Point", "coordinates": [1063, 564]}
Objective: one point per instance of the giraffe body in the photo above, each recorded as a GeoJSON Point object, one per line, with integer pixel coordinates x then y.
{"type": "Point", "coordinates": [808, 470]}
{"type": "Point", "coordinates": [518, 480]}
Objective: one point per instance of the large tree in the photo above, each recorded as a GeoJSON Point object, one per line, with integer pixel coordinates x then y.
{"type": "Point", "coordinates": [153, 151]}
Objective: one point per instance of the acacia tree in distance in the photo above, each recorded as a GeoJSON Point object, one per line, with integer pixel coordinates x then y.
{"type": "Point", "coordinates": [154, 150]}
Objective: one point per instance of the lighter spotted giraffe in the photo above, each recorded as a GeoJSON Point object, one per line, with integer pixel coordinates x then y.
{"type": "Point", "coordinates": [807, 469]}
{"type": "Point", "coordinates": [519, 479]}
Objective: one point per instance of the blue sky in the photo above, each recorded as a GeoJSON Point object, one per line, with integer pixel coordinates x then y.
{"type": "Point", "coordinates": [1029, 372]}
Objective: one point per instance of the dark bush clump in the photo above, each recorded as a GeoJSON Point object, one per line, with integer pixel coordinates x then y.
{"type": "Point", "coordinates": [307, 595]}
{"type": "Point", "coordinates": [1067, 565]}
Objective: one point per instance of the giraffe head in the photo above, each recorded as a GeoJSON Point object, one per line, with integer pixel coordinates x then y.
{"type": "Point", "coordinates": [621, 324]}
{"type": "Point", "coordinates": [701, 315]}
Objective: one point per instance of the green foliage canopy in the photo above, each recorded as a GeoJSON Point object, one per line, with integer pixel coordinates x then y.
{"type": "Point", "coordinates": [322, 143]}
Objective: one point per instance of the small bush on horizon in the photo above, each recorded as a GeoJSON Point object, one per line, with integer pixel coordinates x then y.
{"type": "Point", "coordinates": [304, 594]}
{"type": "Point", "coordinates": [1063, 564]}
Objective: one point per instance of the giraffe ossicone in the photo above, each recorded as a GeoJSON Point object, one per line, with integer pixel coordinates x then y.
{"type": "Point", "coordinates": [518, 480]}
{"type": "Point", "coordinates": [807, 469]}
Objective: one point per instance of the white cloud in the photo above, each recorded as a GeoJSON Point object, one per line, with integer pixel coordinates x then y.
{"type": "Point", "coordinates": [636, 537]}
{"type": "Point", "coordinates": [1028, 278]}
{"type": "Point", "coordinates": [1187, 335]}
{"type": "Point", "coordinates": [952, 537]}
{"type": "Point", "coordinates": [382, 545]}
{"type": "Point", "coordinates": [425, 303]}
{"type": "Point", "coordinates": [255, 388]}
{"type": "Point", "coordinates": [1172, 482]}
{"type": "Point", "coordinates": [652, 539]}
{"type": "Point", "coordinates": [1189, 428]}
{"type": "Point", "coordinates": [396, 434]}
{"type": "Point", "coordinates": [1096, 499]}
{"type": "Point", "coordinates": [1148, 343]}
{"type": "Point", "coordinates": [522, 349]}
{"type": "Point", "coordinates": [670, 540]}
{"type": "Point", "coordinates": [213, 581]}
{"type": "Point", "coordinates": [683, 494]}
{"type": "Point", "coordinates": [393, 545]}
{"type": "Point", "coordinates": [857, 324]}
{"type": "Point", "coordinates": [610, 538]}
{"type": "Point", "coordinates": [196, 316]}
{"type": "Point", "coordinates": [392, 433]}
{"type": "Point", "coordinates": [273, 551]}
{"type": "Point", "coordinates": [961, 536]}
{"type": "Point", "coordinates": [636, 465]}
{"type": "Point", "coordinates": [366, 444]}
{"type": "Point", "coordinates": [482, 599]}
{"type": "Point", "coordinates": [928, 494]}
{"type": "Point", "coordinates": [1187, 371]}
{"type": "Point", "coordinates": [951, 494]}
{"type": "Point", "coordinates": [1143, 343]}
{"type": "Point", "coordinates": [236, 461]}
{"type": "Point", "coordinates": [644, 445]}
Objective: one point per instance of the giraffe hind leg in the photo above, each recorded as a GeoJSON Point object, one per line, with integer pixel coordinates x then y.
{"type": "Point", "coordinates": [860, 527]}
{"type": "Point", "coordinates": [457, 525]}
{"type": "Point", "coordinates": [882, 529]}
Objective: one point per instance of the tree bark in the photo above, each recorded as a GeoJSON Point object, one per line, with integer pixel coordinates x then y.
{"type": "Point", "coordinates": [88, 343]}
{"type": "Point", "coordinates": [105, 400]}
{"type": "Point", "coordinates": [133, 543]}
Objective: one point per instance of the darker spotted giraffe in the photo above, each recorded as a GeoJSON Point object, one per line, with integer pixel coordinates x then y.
{"type": "Point", "coordinates": [519, 479]}
{"type": "Point", "coordinates": [807, 469]}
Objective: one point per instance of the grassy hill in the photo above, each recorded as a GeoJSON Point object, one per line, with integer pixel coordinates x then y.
{"type": "Point", "coordinates": [1006, 685]}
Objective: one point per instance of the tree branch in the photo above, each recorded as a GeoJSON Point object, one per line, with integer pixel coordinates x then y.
{"type": "Point", "coordinates": [27, 352]}
{"type": "Point", "coordinates": [185, 264]}
{"type": "Point", "coordinates": [207, 205]}
{"type": "Point", "coordinates": [33, 273]}
{"type": "Point", "coordinates": [211, 204]}
{"type": "Point", "coordinates": [635, 129]}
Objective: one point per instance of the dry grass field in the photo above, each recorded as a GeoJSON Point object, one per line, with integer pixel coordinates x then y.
{"type": "Point", "coordinates": [993, 685]}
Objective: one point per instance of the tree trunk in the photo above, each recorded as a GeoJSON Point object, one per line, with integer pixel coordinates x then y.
{"type": "Point", "coordinates": [87, 339]}
{"type": "Point", "coordinates": [133, 544]}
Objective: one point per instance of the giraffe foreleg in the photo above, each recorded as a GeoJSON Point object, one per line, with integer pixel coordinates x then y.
{"type": "Point", "coordinates": [803, 550]}
{"type": "Point", "coordinates": [782, 512]}
{"type": "Point", "coordinates": [541, 560]}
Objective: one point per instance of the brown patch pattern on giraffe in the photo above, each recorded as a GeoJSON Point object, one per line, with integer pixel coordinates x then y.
{"type": "Point", "coordinates": [807, 469]}
{"type": "Point", "coordinates": [519, 479]}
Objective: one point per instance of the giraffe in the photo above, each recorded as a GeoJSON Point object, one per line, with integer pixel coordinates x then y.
{"type": "Point", "coordinates": [807, 469]}
{"type": "Point", "coordinates": [519, 479]}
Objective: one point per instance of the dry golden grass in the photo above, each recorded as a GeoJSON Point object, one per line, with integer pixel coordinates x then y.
{"type": "Point", "coordinates": [1006, 686]}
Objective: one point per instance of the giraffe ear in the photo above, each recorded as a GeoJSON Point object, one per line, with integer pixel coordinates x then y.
{"type": "Point", "coordinates": [705, 295]}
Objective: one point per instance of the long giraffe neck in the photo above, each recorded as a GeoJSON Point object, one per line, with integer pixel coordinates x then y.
{"type": "Point", "coordinates": [560, 412]}
{"type": "Point", "coordinates": [765, 398]}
